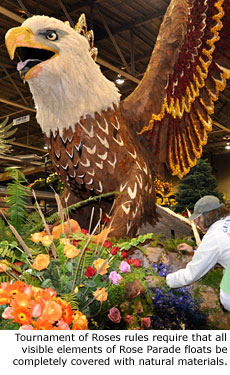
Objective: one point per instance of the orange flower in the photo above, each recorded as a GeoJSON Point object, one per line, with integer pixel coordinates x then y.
{"type": "Point", "coordinates": [21, 300]}
{"type": "Point", "coordinates": [71, 251]}
{"type": "Point", "coordinates": [21, 315]}
{"type": "Point", "coordinates": [13, 289]}
{"type": "Point", "coordinates": [42, 324]}
{"type": "Point", "coordinates": [74, 227]}
{"type": "Point", "coordinates": [101, 294]}
{"type": "Point", "coordinates": [52, 312]}
{"type": "Point", "coordinates": [41, 262]}
{"type": "Point", "coordinates": [4, 299]}
{"type": "Point", "coordinates": [80, 321]}
{"type": "Point", "coordinates": [98, 263]}
{"type": "Point", "coordinates": [3, 265]}
{"type": "Point", "coordinates": [46, 240]}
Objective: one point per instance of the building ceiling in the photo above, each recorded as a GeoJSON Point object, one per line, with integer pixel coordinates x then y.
{"type": "Point", "coordinates": [125, 33]}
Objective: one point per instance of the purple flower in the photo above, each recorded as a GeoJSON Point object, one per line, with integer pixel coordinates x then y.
{"type": "Point", "coordinates": [124, 267]}
{"type": "Point", "coordinates": [114, 315]}
{"type": "Point", "coordinates": [114, 277]}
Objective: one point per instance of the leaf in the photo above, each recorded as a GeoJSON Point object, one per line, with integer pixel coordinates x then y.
{"type": "Point", "coordinates": [90, 283]}
{"type": "Point", "coordinates": [46, 283]}
{"type": "Point", "coordinates": [70, 267]}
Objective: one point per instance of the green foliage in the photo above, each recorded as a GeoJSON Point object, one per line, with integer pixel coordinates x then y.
{"type": "Point", "coordinates": [9, 251]}
{"type": "Point", "coordinates": [170, 245]}
{"type": "Point", "coordinates": [33, 224]}
{"type": "Point", "coordinates": [16, 198]}
{"type": "Point", "coordinates": [198, 182]}
{"type": "Point", "coordinates": [213, 278]}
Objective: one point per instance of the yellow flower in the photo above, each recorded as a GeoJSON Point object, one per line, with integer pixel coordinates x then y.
{"type": "Point", "coordinates": [98, 263]}
{"type": "Point", "coordinates": [46, 240]}
{"type": "Point", "coordinates": [41, 262]}
{"type": "Point", "coordinates": [65, 241]}
{"type": "Point", "coordinates": [71, 251]}
{"type": "Point", "coordinates": [37, 237]}
{"type": "Point", "coordinates": [101, 294]}
{"type": "Point", "coordinates": [76, 290]}
{"type": "Point", "coordinates": [3, 265]}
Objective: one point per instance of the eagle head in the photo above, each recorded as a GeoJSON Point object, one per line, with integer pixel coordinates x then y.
{"type": "Point", "coordinates": [40, 40]}
{"type": "Point", "coordinates": [56, 61]}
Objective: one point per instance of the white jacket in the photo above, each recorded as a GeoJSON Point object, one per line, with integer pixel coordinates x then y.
{"type": "Point", "coordinates": [214, 248]}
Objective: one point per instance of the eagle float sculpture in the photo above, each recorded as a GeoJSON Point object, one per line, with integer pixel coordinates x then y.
{"type": "Point", "coordinates": [100, 144]}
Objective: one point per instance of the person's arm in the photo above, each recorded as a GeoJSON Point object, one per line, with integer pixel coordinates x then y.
{"type": "Point", "coordinates": [205, 257]}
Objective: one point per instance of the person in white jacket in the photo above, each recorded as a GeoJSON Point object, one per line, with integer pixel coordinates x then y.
{"type": "Point", "coordinates": [213, 218]}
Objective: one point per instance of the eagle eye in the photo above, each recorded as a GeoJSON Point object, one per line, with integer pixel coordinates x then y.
{"type": "Point", "coordinates": [51, 35]}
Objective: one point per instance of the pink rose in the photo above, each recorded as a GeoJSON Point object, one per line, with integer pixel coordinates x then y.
{"type": "Point", "coordinates": [124, 267]}
{"type": "Point", "coordinates": [146, 322]}
{"type": "Point", "coordinates": [114, 277]}
{"type": "Point", "coordinates": [7, 313]}
{"type": "Point", "coordinates": [62, 324]}
{"type": "Point", "coordinates": [114, 315]}
{"type": "Point", "coordinates": [36, 310]}
{"type": "Point", "coordinates": [26, 327]}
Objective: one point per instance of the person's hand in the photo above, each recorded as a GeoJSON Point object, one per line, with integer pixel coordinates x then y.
{"type": "Point", "coordinates": [184, 247]}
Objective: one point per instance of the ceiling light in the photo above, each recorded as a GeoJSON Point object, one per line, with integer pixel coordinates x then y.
{"type": "Point", "coordinates": [119, 80]}
{"type": "Point", "coordinates": [227, 147]}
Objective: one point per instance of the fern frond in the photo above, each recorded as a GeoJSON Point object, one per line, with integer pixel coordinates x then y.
{"type": "Point", "coordinates": [72, 299]}
{"type": "Point", "coordinates": [74, 206]}
{"type": "Point", "coordinates": [5, 234]}
{"type": "Point", "coordinates": [6, 252]}
{"type": "Point", "coordinates": [33, 224]}
{"type": "Point", "coordinates": [4, 279]}
{"type": "Point", "coordinates": [16, 198]}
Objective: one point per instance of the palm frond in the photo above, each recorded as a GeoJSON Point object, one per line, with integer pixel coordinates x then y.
{"type": "Point", "coordinates": [6, 132]}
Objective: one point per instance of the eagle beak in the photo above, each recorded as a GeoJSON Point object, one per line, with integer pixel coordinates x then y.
{"type": "Point", "coordinates": [31, 52]}
{"type": "Point", "coordinates": [20, 37]}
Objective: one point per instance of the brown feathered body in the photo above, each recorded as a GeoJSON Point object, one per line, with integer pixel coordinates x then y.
{"type": "Point", "coordinates": [101, 155]}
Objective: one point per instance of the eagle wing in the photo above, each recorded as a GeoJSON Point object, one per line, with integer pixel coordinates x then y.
{"type": "Point", "coordinates": [171, 107]}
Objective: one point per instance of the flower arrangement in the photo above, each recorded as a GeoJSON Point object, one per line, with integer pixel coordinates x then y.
{"type": "Point", "coordinates": [31, 308]}
{"type": "Point", "coordinates": [66, 266]}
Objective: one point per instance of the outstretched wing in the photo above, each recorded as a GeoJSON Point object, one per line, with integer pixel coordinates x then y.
{"type": "Point", "coordinates": [188, 68]}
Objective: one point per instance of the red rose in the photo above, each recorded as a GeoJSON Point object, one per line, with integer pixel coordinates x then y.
{"type": "Point", "coordinates": [75, 242]}
{"type": "Point", "coordinates": [84, 231]}
{"type": "Point", "coordinates": [136, 262]}
{"type": "Point", "coordinates": [108, 244]}
{"type": "Point", "coordinates": [129, 260]}
{"type": "Point", "coordinates": [123, 254]}
{"type": "Point", "coordinates": [146, 322]}
{"type": "Point", "coordinates": [89, 272]}
{"type": "Point", "coordinates": [114, 315]}
{"type": "Point", "coordinates": [114, 250]}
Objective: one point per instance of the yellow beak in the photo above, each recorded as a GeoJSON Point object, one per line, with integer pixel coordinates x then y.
{"type": "Point", "coordinates": [24, 37]}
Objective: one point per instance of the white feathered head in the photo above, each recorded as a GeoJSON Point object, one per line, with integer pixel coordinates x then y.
{"type": "Point", "coordinates": [56, 61]}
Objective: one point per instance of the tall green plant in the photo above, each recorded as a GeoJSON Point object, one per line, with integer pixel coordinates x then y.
{"type": "Point", "coordinates": [16, 198]}
{"type": "Point", "coordinates": [198, 182]}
